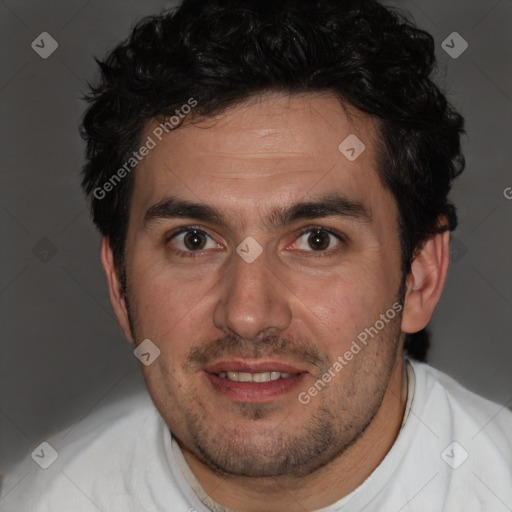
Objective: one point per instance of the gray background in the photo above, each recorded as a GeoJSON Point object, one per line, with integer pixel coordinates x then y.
{"type": "Point", "coordinates": [62, 352]}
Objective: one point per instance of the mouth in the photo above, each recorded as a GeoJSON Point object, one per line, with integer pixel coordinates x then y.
{"type": "Point", "coordinates": [253, 381]}
{"type": "Point", "coordinates": [253, 377]}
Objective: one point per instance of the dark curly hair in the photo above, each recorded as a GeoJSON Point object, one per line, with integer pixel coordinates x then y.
{"type": "Point", "coordinates": [222, 52]}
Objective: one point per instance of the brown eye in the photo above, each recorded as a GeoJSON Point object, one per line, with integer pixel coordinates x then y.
{"type": "Point", "coordinates": [194, 240]}
{"type": "Point", "coordinates": [319, 240]}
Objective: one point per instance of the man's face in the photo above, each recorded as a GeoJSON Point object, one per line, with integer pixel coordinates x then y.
{"type": "Point", "coordinates": [324, 275]}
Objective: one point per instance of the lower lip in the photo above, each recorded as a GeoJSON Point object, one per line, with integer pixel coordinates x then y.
{"type": "Point", "coordinates": [254, 391]}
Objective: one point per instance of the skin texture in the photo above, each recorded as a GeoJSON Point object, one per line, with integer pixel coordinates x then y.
{"type": "Point", "coordinates": [293, 304]}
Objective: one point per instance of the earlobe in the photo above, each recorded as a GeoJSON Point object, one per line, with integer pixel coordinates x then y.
{"type": "Point", "coordinates": [425, 282]}
{"type": "Point", "coordinates": [115, 288]}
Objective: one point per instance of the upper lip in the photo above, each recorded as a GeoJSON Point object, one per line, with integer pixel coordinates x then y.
{"type": "Point", "coordinates": [252, 366]}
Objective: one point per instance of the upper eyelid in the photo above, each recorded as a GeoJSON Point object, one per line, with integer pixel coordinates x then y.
{"type": "Point", "coordinates": [298, 231]}
{"type": "Point", "coordinates": [308, 229]}
{"type": "Point", "coordinates": [184, 229]}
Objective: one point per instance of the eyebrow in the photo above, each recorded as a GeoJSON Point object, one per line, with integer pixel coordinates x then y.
{"type": "Point", "coordinates": [332, 205]}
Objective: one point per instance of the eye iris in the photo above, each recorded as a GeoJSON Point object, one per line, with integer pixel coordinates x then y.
{"type": "Point", "coordinates": [194, 240]}
{"type": "Point", "coordinates": [319, 240]}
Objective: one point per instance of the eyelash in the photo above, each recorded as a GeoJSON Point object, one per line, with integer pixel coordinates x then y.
{"type": "Point", "coordinates": [297, 234]}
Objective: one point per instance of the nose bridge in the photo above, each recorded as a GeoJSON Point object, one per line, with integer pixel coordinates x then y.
{"type": "Point", "coordinates": [252, 299]}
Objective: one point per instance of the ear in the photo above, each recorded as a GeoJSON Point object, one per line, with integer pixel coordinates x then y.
{"type": "Point", "coordinates": [425, 282]}
{"type": "Point", "coordinates": [116, 290]}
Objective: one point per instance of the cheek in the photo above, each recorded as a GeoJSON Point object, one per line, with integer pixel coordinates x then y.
{"type": "Point", "coordinates": [169, 306]}
{"type": "Point", "coordinates": [340, 306]}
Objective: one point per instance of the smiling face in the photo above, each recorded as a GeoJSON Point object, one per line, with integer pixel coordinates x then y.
{"type": "Point", "coordinates": [255, 249]}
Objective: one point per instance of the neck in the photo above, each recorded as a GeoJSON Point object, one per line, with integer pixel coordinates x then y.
{"type": "Point", "coordinates": [326, 485]}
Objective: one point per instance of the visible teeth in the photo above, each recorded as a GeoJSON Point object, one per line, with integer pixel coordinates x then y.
{"type": "Point", "coordinates": [254, 377]}
{"type": "Point", "coordinates": [261, 377]}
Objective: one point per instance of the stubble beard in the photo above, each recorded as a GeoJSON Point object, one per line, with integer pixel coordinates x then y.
{"type": "Point", "coordinates": [340, 417]}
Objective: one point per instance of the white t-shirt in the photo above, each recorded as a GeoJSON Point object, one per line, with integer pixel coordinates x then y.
{"type": "Point", "coordinates": [453, 453]}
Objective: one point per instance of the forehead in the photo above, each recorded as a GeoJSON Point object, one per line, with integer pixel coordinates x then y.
{"type": "Point", "coordinates": [269, 151]}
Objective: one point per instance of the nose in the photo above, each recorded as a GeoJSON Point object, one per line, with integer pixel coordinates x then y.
{"type": "Point", "coordinates": [252, 300]}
